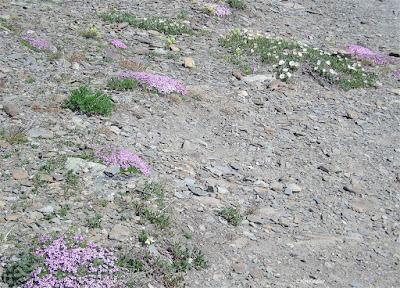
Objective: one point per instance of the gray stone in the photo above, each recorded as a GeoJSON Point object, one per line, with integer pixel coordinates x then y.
{"type": "Point", "coordinates": [46, 209]}
{"type": "Point", "coordinates": [35, 133]}
{"type": "Point", "coordinates": [120, 233]}
{"type": "Point", "coordinates": [198, 192]}
{"type": "Point", "coordinates": [240, 268]}
{"type": "Point", "coordinates": [258, 78]}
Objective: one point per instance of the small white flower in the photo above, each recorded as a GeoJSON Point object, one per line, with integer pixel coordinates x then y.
{"type": "Point", "coordinates": [315, 68]}
{"type": "Point", "coordinates": [318, 62]}
{"type": "Point", "coordinates": [300, 54]}
{"type": "Point", "coordinates": [285, 69]}
{"type": "Point", "coordinates": [268, 54]}
{"type": "Point", "coordinates": [304, 49]}
{"type": "Point", "coordinates": [282, 76]}
{"type": "Point", "coordinates": [281, 62]}
{"type": "Point", "coordinates": [332, 71]}
{"type": "Point", "coordinates": [296, 64]}
{"type": "Point", "coordinates": [328, 62]}
{"type": "Point", "coordinates": [190, 260]}
{"type": "Point", "coordinates": [288, 74]}
{"type": "Point", "coordinates": [149, 241]}
{"type": "Point", "coordinates": [291, 63]}
{"type": "Point", "coordinates": [323, 70]}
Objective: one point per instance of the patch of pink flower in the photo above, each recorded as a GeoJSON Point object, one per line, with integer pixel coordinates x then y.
{"type": "Point", "coordinates": [370, 56]}
{"type": "Point", "coordinates": [117, 43]}
{"type": "Point", "coordinates": [65, 258]}
{"type": "Point", "coordinates": [219, 10]}
{"type": "Point", "coordinates": [163, 84]}
{"type": "Point", "coordinates": [38, 43]}
{"type": "Point", "coordinates": [123, 158]}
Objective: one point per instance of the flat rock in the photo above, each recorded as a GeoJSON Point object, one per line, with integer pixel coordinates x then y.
{"type": "Point", "coordinates": [120, 233]}
{"type": "Point", "coordinates": [258, 78]}
{"type": "Point", "coordinates": [46, 209]}
{"type": "Point", "coordinates": [35, 133]}
{"type": "Point", "coordinates": [19, 174]}
{"type": "Point", "coordinates": [11, 109]}
{"type": "Point", "coordinates": [208, 201]}
{"type": "Point", "coordinates": [240, 268]}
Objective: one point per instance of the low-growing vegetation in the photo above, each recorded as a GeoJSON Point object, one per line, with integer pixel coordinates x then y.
{"type": "Point", "coordinates": [162, 25]}
{"type": "Point", "coordinates": [288, 57]}
{"type": "Point", "coordinates": [88, 102]}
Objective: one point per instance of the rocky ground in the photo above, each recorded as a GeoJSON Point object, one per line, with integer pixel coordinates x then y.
{"type": "Point", "coordinates": [314, 170]}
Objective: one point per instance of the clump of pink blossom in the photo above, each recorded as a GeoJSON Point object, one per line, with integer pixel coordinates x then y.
{"type": "Point", "coordinates": [71, 261]}
{"type": "Point", "coordinates": [117, 43]}
{"type": "Point", "coordinates": [162, 84]}
{"type": "Point", "coordinates": [370, 56]}
{"type": "Point", "coordinates": [219, 10]}
{"type": "Point", "coordinates": [38, 43]}
{"type": "Point", "coordinates": [123, 158]}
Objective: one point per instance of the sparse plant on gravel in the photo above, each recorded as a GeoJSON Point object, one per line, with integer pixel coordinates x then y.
{"type": "Point", "coordinates": [89, 102]}
{"type": "Point", "coordinates": [37, 44]}
{"type": "Point", "coordinates": [94, 222]}
{"type": "Point", "coordinates": [287, 57]}
{"type": "Point", "coordinates": [162, 25]}
{"type": "Point", "coordinates": [183, 14]}
{"type": "Point", "coordinates": [122, 84]}
{"type": "Point", "coordinates": [133, 65]}
{"type": "Point", "coordinates": [238, 4]}
{"type": "Point", "coordinates": [156, 83]}
{"type": "Point", "coordinates": [231, 214]}
{"type": "Point", "coordinates": [185, 259]}
{"type": "Point", "coordinates": [65, 261]}
{"type": "Point", "coordinates": [13, 134]}
{"type": "Point", "coordinates": [127, 161]}
{"type": "Point", "coordinates": [91, 32]}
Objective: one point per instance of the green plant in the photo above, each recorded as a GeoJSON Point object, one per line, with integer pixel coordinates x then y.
{"type": "Point", "coordinates": [187, 235]}
{"type": "Point", "coordinates": [129, 262]}
{"type": "Point", "coordinates": [122, 84]}
{"type": "Point", "coordinates": [89, 102]}
{"type": "Point", "coordinates": [30, 80]}
{"type": "Point", "coordinates": [94, 222]}
{"type": "Point", "coordinates": [72, 179]}
{"type": "Point", "coordinates": [143, 237]}
{"type": "Point", "coordinates": [53, 163]}
{"type": "Point", "coordinates": [185, 259]}
{"type": "Point", "coordinates": [104, 203]}
{"type": "Point", "coordinates": [183, 14]}
{"type": "Point", "coordinates": [287, 57]}
{"type": "Point", "coordinates": [163, 25]}
{"type": "Point", "coordinates": [232, 215]}
{"type": "Point", "coordinates": [16, 273]}
{"type": "Point", "coordinates": [91, 32]}
{"type": "Point", "coordinates": [239, 4]}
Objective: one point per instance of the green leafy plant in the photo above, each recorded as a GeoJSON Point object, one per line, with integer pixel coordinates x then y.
{"type": "Point", "coordinates": [232, 215]}
{"type": "Point", "coordinates": [94, 222]}
{"type": "Point", "coordinates": [122, 84]}
{"type": "Point", "coordinates": [239, 4]}
{"type": "Point", "coordinates": [184, 259]}
{"type": "Point", "coordinates": [16, 273]}
{"type": "Point", "coordinates": [187, 235]}
{"type": "Point", "coordinates": [183, 14]}
{"type": "Point", "coordinates": [89, 102]}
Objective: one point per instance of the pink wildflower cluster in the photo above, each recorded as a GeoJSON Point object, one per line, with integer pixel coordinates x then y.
{"type": "Point", "coordinates": [117, 43]}
{"type": "Point", "coordinates": [367, 55]}
{"type": "Point", "coordinates": [219, 10]}
{"type": "Point", "coordinates": [162, 84]}
{"type": "Point", "coordinates": [396, 73]}
{"type": "Point", "coordinates": [38, 43]}
{"type": "Point", "coordinates": [123, 158]}
{"type": "Point", "coordinates": [66, 257]}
